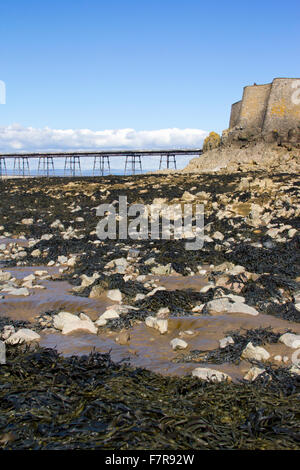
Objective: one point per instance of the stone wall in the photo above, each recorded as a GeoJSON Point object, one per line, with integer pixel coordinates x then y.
{"type": "Point", "coordinates": [235, 114]}
{"type": "Point", "coordinates": [268, 108]}
{"type": "Point", "coordinates": [283, 108]}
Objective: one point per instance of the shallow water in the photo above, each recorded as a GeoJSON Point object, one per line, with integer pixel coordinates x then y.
{"type": "Point", "coordinates": [147, 348]}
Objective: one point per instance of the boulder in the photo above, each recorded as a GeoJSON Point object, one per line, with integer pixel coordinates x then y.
{"type": "Point", "coordinates": [255, 352]}
{"type": "Point", "coordinates": [114, 294]}
{"type": "Point", "coordinates": [69, 323]}
{"type": "Point", "coordinates": [24, 335]}
{"type": "Point", "coordinates": [290, 340]}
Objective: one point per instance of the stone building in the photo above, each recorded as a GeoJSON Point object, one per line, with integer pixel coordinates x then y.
{"type": "Point", "coordinates": [270, 108]}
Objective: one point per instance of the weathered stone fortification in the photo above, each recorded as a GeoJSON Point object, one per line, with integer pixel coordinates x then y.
{"type": "Point", "coordinates": [271, 108]}
{"type": "Point", "coordinates": [264, 132]}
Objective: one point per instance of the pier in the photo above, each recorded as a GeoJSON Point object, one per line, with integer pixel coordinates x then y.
{"type": "Point", "coordinates": [102, 163]}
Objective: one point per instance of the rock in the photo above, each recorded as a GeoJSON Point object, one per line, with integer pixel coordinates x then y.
{"type": "Point", "coordinates": [109, 314]}
{"type": "Point", "coordinates": [46, 236]}
{"type": "Point", "coordinates": [188, 197]}
{"type": "Point", "coordinates": [100, 322]}
{"type": "Point", "coordinates": [68, 323]}
{"type": "Point", "coordinates": [218, 305]}
{"type": "Point", "coordinates": [177, 343]}
{"type": "Point", "coordinates": [36, 253]}
{"type": "Point", "coordinates": [114, 294]}
{"type": "Point", "coordinates": [5, 276]}
{"type": "Point", "coordinates": [210, 375]}
{"type": "Point", "coordinates": [290, 340]}
{"type": "Point", "coordinates": [226, 341]}
{"type": "Point", "coordinates": [8, 330]}
{"type": "Point", "coordinates": [150, 322]}
{"type": "Point", "coordinates": [162, 270]}
{"type": "Point", "coordinates": [224, 305]}
{"type": "Point", "coordinates": [27, 221]}
{"type": "Point", "coordinates": [211, 142]}
{"type": "Point", "coordinates": [15, 291]}
{"type": "Point", "coordinates": [24, 335]}
{"type": "Point", "coordinates": [278, 358]}
{"type": "Point", "coordinates": [40, 273]}
{"type": "Point", "coordinates": [253, 373]}
{"type": "Point", "coordinates": [159, 324]}
{"type": "Point", "coordinates": [240, 307]}
{"type": "Point", "coordinates": [30, 277]}
{"type": "Point", "coordinates": [295, 370]}
{"type": "Point", "coordinates": [218, 236]}
{"type": "Point", "coordinates": [139, 297]}
{"type": "Point", "coordinates": [163, 312]}
{"type": "Point", "coordinates": [71, 262]}
{"type": "Point", "coordinates": [62, 259]}
{"type": "Point", "coordinates": [123, 337]}
{"type": "Point", "coordinates": [2, 353]}
{"type": "Point", "coordinates": [255, 352]}
{"type": "Point", "coordinates": [87, 281]}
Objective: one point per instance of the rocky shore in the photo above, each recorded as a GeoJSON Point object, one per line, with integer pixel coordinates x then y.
{"type": "Point", "coordinates": [208, 337]}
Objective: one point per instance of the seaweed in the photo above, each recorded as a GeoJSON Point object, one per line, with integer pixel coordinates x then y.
{"type": "Point", "coordinates": [48, 402]}
{"type": "Point", "coordinates": [232, 352]}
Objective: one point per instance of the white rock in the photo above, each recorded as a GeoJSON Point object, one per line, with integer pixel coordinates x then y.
{"type": "Point", "coordinates": [150, 322]}
{"type": "Point", "coordinates": [278, 358]}
{"type": "Point", "coordinates": [219, 305]}
{"type": "Point", "coordinates": [62, 259]}
{"type": "Point", "coordinates": [158, 323]}
{"type": "Point", "coordinates": [27, 221]}
{"type": "Point", "coordinates": [218, 236]}
{"type": "Point", "coordinates": [226, 341]}
{"type": "Point", "coordinates": [161, 325]}
{"type": "Point", "coordinates": [68, 323]}
{"type": "Point", "coordinates": [24, 335]}
{"type": "Point", "coordinates": [290, 340]}
{"type": "Point", "coordinates": [40, 273]}
{"type": "Point", "coordinates": [177, 343]}
{"type": "Point", "coordinates": [210, 375]}
{"type": "Point", "coordinates": [114, 294]}
{"type": "Point", "coordinates": [139, 297]}
{"type": "Point", "coordinates": [8, 330]}
{"type": "Point", "coordinates": [100, 322]}
{"type": "Point", "coordinates": [255, 352]}
{"type": "Point", "coordinates": [109, 315]}
{"type": "Point", "coordinates": [5, 276]}
{"type": "Point", "coordinates": [253, 373]}
{"type": "Point", "coordinates": [47, 236]}
{"type": "Point", "coordinates": [30, 277]}
{"type": "Point", "coordinates": [240, 307]}
{"type": "Point", "coordinates": [15, 291]}
{"type": "Point", "coordinates": [297, 307]}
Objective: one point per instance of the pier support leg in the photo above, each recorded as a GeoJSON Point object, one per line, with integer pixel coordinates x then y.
{"type": "Point", "coordinates": [46, 166]}
{"type": "Point", "coordinates": [101, 164]}
{"type": "Point", "coordinates": [72, 163]}
{"type": "Point", "coordinates": [21, 166]}
{"type": "Point", "coordinates": [133, 161]}
{"type": "Point", "coordinates": [167, 160]}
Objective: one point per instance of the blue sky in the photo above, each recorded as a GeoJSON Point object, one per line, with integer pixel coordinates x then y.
{"type": "Point", "coordinates": [141, 65]}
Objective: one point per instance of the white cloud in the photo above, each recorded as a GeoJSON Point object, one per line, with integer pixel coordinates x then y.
{"type": "Point", "coordinates": [29, 139]}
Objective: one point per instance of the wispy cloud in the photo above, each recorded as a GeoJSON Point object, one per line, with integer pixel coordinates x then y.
{"type": "Point", "coordinates": [25, 139]}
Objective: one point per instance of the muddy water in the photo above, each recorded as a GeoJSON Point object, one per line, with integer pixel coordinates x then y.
{"type": "Point", "coordinates": [146, 348]}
